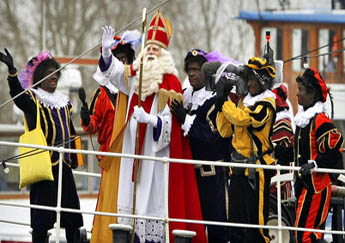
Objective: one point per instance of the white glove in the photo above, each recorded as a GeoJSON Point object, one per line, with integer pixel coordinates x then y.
{"type": "Point", "coordinates": [311, 161]}
{"type": "Point", "coordinates": [140, 115]}
{"type": "Point", "coordinates": [107, 40]}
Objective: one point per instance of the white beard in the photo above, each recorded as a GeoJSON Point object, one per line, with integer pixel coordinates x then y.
{"type": "Point", "coordinates": [153, 71]}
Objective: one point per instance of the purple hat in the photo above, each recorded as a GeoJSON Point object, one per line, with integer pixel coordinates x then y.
{"type": "Point", "coordinates": [26, 75]}
{"type": "Point", "coordinates": [216, 56]}
{"type": "Point", "coordinates": [196, 52]}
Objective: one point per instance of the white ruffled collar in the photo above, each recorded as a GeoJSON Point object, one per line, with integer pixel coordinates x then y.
{"type": "Point", "coordinates": [52, 100]}
{"type": "Point", "coordinates": [282, 115]}
{"type": "Point", "coordinates": [303, 117]}
{"type": "Point", "coordinates": [192, 100]}
{"type": "Point", "coordinates": [251, 100]}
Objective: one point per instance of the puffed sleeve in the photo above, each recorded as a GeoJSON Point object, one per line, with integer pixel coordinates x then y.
{"type": "Point", "coordinates": [224, 126]}
{"type": "Point", "coordinates": [329, 143]}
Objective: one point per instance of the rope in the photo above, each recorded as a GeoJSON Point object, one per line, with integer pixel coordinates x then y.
{"type": "Point", "coordinates": [31, 152]}
{"type": "Point", "coordinates": [320, 55]}
{"type": "Point", "coordinates": [81, 55]}
{"type": "Point", "coordinates": [306, 53]}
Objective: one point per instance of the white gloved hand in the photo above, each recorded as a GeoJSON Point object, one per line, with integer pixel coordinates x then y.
{"type": "Point", "coordinates": [107, 40]}
{"type": "Point", "coordinates": [142, 116]}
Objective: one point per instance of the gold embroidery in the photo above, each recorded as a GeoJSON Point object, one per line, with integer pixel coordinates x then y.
{"type": "Point", "coordinates": [63, 131]}
{"type": "Point", "coordinates": [45, 124]}
{"type": "Point", "coordinates": [68, 119]}
{"type": "Point", "coordinates": [127, 74]}
{"type": "Point", "coordinates": [210, 123]}
{"type": "Point", "coordinates": [54, 130]}
{"type": "Point", "coordinates": [165, 96]}
{"type": "Point", "coordinates": [203, 173]}
{"type": "Point", "coordinates": [211, 172]}
{"type": "Point", "coordinates": [12, 75]}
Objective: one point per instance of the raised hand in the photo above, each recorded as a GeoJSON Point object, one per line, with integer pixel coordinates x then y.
{"type": "Point", "coordinates": [107, 40]}
{"type": "Point", "coordinates": [8, 60]}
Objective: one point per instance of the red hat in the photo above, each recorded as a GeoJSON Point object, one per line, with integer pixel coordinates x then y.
{"type": "Point", "coordinates": [281, 94]}
{"type": "Point", "coordinates": [321, 84]}
{"type": "Point", "coordinates": [159, 32]}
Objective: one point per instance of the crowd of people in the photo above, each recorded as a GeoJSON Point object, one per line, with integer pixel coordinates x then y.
{"type": "Point", "coordinates": [141, 108]}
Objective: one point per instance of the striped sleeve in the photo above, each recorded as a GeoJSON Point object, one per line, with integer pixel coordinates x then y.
{"type": "Point", "coordinates": [261, 112]}
{"type": "Point", "coordinates": [282, 132]}
{"type": "Point", "coordinates": [329, 142]}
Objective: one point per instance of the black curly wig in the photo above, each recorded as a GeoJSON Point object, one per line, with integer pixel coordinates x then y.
{"type": "Point", "coordinates": [311, 84]}
{"type": "Point", "coordinates": [40, 71]}
{"type": "Point", "coordinates": [198, 59]}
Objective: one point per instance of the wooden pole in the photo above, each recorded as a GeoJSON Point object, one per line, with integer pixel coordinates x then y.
{"type": "Point", "coordinates": [136, 161]}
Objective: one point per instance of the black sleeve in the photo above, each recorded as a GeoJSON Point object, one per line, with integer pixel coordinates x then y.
{"type": "Point", "coordinates": [283, 154]}
{"type": "Point", "coordinates": [329, 160]}
{"type": "Point", "coordinates": [24, 101]}
{"type": "Point", "coordinates": [329, 146]}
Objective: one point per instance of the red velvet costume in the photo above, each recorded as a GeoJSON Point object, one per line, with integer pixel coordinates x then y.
{"type": "Point", "coordinates": [102, 112]}
{"type": "Point", "coordinates": [322, 142]}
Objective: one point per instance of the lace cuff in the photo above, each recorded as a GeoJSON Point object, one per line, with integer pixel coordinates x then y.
{"type": "Point", "coordinates": [188, 124]}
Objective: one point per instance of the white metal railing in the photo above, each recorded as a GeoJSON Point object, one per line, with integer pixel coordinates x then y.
{"type": "Point", "coordinates": [166, 162]}
{"type": "Point", "coordinates": [75, 172]}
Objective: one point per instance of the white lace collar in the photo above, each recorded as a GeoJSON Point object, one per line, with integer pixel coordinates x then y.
{"type": "Point", "coordinates": [192, 100]}
{"type": "Point", "coordinates": [251, 100]}
{"type": "Point", "coordinates": [303, 117]}
{"type": "Point", "coordinates": [52, 100]}
{"type": "Point", "coordinates": [282, 115]}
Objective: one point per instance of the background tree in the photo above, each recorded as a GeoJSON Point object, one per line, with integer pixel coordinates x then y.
{"type": "Point", "coordinates": [68, 28]}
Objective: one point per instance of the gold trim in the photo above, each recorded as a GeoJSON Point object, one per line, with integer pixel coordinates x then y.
{"type": "Point", "coordinates": [68, 120]}
{"type": "Point", "coordinates": [212, 172]}
{"type": "Point", "coordinates": [261, 203]}
{"type": "Point", "coordinates": [45, 124]}
{"type": "Point", "coordinates": [54, 130]}
{"type": "Point", "coordinates": [63, 131]}
{"type": "Point", "coordinates": [311, 129]}
{"type": "Point", "coordinates": [165, 96]}
{"type": "Point", "coordinates": [324, 210]}
{"type": "Point", "coordinates": [159, 43]}
{"type": "Point", "coordinates": [57, 162]}
{"type": "Point", "coordinates": [12, 75]}
{"type": "Point", "coordinates": [154, 27]}
{"type": "Point", "coordinates": [226, 193]}
{"type": "Point", "coordinates": [325, 133]}
{"type": "Point", "coordinates": [281, 139]}
{"type": "Point", "coordinates": [210, 123]}
{"type": "Point", "coordinates": [300, 206]}
{"type": "Point", "coordinates": [127, 74]}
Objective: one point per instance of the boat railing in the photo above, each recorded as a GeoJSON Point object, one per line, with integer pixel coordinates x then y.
{"type": "Point", "coordinates": [278, 168]}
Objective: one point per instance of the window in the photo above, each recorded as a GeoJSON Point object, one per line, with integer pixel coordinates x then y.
{"type": "Point", "coordinates": [299, 46]}
{"type": "Point", "coordinates": [328, 55]}
{"type": "Point", "coordinates": [338, 94]}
